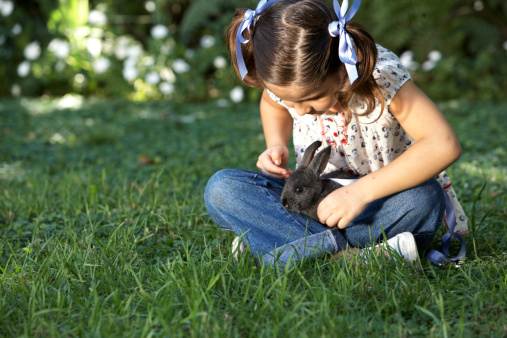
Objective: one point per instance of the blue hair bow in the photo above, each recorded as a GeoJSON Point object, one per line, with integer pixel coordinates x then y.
{"type": "Point", "coordinates": [346, 48]}
{"type": "Point", "coordinates": [249, 20]}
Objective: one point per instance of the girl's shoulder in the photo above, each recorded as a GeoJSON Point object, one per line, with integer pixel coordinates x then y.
{"type": "Point", "coordinates": [389, 73]}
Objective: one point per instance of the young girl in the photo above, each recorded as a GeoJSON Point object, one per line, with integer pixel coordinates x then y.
{"type": "Point", "coordinates": [324, 78]}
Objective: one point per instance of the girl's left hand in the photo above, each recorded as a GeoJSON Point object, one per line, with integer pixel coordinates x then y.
{"type": "Point", "coordinates": [341, 207]}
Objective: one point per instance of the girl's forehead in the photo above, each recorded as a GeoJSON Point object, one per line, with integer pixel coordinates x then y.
{"type": "Point", "coordinates": [296, 92]}
{"type": "Point", "coordinates": [291, 93]}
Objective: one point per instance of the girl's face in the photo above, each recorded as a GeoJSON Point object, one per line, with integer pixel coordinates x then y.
{"type": "Point", "coordinates": [314, 101]}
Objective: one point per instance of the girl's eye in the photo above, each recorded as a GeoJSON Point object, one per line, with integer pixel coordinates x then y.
{"type": "Point", "coordinates": [313, 98]}
{"type": "Point", "coordinates": [299, 190]}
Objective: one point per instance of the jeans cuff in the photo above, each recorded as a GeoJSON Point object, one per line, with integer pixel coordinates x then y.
{"type": "Point", "coordinates": [312, 246]}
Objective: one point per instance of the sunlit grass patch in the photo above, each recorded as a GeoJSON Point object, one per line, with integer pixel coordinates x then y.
{"type": "Point", "coordinates": [108, 234]}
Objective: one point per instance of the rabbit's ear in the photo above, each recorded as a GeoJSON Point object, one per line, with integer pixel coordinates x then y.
{"type": "Point", "coordinates": [320, 161]}
{"type": "Point", "coordinates": [309, 152]}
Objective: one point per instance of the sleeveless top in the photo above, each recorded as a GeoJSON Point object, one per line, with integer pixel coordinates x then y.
{"type": "Point", "coordinates": [366, 143]}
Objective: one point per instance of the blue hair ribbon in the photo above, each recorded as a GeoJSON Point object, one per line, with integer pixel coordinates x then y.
{"type": "Point", "coordinates": [249, 21]}
{"type": "Point", "coordinates": [346, 48]}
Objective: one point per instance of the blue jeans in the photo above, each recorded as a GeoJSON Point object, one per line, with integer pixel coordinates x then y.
{"type": "Point", "coordinates": [248, 203]}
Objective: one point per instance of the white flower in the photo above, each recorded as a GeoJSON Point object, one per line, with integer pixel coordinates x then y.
{"type": "Point", "coordinates": [434, 56]}
{"type": "Point", "coordinates": [79, 78]}
{"type": "Point", "coordinates": [6, 8]}
{"type": "Point", "coordinates": [32, 50]}
{"type": "Point", "coordinates": [167, 75]}
{"type": "Point", "coordinates": [24, 69]}
{"type": "Point", "coordinates": [15, 90]}
{"type": "Point", "coordinates": [130, 62]}
{"type": "Point", "coordinates": [150, 6]}
{"type": "Point", "coordinates": [56, 138]}
{"type": "Point", "coordinates": [97, 18]}
{"type": "Point", "coordinates": [101, 65]}
{"type": "Point", "coordinates": [180, 66]}
{"type": "Point", "coordinates": [130, 72]}
{"type": "Point", "coordinates": [134, 51]}
{"type": "Point", "coordinates": [94, 46]}
{"type": "Point", "coordinates": [121, 47]}
{"type": "Point", "coordinates": [428, 65]}
{"type": "Point", "coordinates": [505, 45]}
{"type": "Point", "coordinates": [166, 88]}
{"type": "Point", "coordinates": [149, 61]}
{"type": "Point", "coordinates": [207, 41]}
{"type": "Point", "coordinates": [219, 62]}
{"type": "Point", "coordinates": [407, 55]}
{"type": "Point", "coordinates": [60, 48]}
{"type": "Point", "coordinates": [237, 94]}
{"type": "Point", "coordinates": [70, 101]}
{"type": "Point", "coordinates": [152, 78]}
{"type": "Point", "coordinates": [16, 30]}
{"type": "Point", "coordinates": [478, 5]}
{"type": "Point", "coordinates": [159, 32]}
{"type": "Point", "coordinates": [407, 60]}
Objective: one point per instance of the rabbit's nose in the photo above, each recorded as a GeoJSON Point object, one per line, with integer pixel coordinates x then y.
{"type": "Point", "coordinates": [284, 203]}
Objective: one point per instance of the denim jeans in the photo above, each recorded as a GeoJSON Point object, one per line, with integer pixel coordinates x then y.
{"type": "Point", "coordinates": [248, 203]}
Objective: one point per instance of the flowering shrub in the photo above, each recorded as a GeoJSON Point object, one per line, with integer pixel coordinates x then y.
{"type": "Point", "coordinates": [176, 48]}
{"type": "Point", "coordinates": [101, 53]}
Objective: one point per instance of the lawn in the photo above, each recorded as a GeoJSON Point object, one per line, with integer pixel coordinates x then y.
{"type": "Point", "coordinates": [103, 232]}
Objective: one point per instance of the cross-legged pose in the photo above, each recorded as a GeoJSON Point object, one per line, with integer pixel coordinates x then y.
{"type": "Point", "coordinates": [325, 79]}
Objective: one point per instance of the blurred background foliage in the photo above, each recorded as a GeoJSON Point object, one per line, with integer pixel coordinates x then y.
{"type": "Point", "coordinates": [176, 48]}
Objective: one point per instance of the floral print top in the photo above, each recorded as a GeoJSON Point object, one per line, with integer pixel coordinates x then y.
{"type": "Point", "coordinates": [366, 143]}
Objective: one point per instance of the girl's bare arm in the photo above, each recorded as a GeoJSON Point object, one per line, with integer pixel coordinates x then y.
{"type": "Point", "coordinates": [436, 147]}
{"type": "Point", "coordinates": [277, 125]}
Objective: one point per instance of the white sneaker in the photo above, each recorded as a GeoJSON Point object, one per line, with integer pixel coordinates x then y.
{"type": "Point", "coordinates": [237, 247]}
{"type": "Point", "coordinates": [405, 245]}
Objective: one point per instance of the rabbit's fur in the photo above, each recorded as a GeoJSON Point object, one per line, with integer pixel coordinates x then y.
{"type": "Point", "coordinates": [305, 189]}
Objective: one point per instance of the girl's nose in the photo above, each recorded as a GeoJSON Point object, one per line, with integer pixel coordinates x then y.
{"type": "Point", "coordinates": [302, 109]}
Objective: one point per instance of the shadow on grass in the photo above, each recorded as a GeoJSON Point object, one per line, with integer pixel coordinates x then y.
{"type": "Point", "coordinates": [103, 229]}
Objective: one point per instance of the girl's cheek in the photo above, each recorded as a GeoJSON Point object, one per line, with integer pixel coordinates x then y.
{"type": "Point", "coordinates": [288, 104]}
{"type": "Point", "coordinates": [321, 106]}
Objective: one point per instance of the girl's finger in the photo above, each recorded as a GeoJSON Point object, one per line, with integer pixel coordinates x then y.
{"type": "Point", "coordinates": [276, 157]}
{"type": "Point", "coordinates": [274, 171]}
{"type": "Point", "coordinates": [268, 164]}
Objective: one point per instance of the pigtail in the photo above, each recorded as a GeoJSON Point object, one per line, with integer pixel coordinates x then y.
{"type": "Point", "coordinates": [251, 78]}
{"type": "Point", "coordinates": [365, 86]}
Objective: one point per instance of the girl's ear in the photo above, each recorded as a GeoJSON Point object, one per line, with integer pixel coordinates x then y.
{"type": "Point", "coordinates": [320, 161]}
{"type": "Point", "coordinates": [309, 152]}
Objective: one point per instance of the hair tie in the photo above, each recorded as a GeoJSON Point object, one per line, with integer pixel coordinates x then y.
{"type": "Point", "coordinates": [346, 49]}
{"type": "Point", "coordinates": [248, 21]}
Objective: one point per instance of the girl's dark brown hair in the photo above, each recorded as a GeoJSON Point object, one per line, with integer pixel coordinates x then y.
{"type": "Point", "coordinates": [290, 44]}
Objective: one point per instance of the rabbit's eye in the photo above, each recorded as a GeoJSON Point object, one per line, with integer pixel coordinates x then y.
{"type": "Point", "coordinates": [299, 190]}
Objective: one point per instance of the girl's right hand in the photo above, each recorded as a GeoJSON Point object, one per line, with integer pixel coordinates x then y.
{"type": "Point", "coordinates": [273, 162]}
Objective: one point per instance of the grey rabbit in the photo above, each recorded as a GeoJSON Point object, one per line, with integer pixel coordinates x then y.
{"type": "Point", "coordinates": [305, 188]}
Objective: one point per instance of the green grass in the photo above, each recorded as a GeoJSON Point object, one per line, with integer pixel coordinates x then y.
{"type": "Point", "coordinates": [103, 232]}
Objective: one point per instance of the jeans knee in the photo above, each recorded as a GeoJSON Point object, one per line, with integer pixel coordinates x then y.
{"type": "Point", "coordinates": [432, 200]}
{"type": "Point", "coordinates": [430, 208]}
{"type": "Point", "coordinates": [217, 188]}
